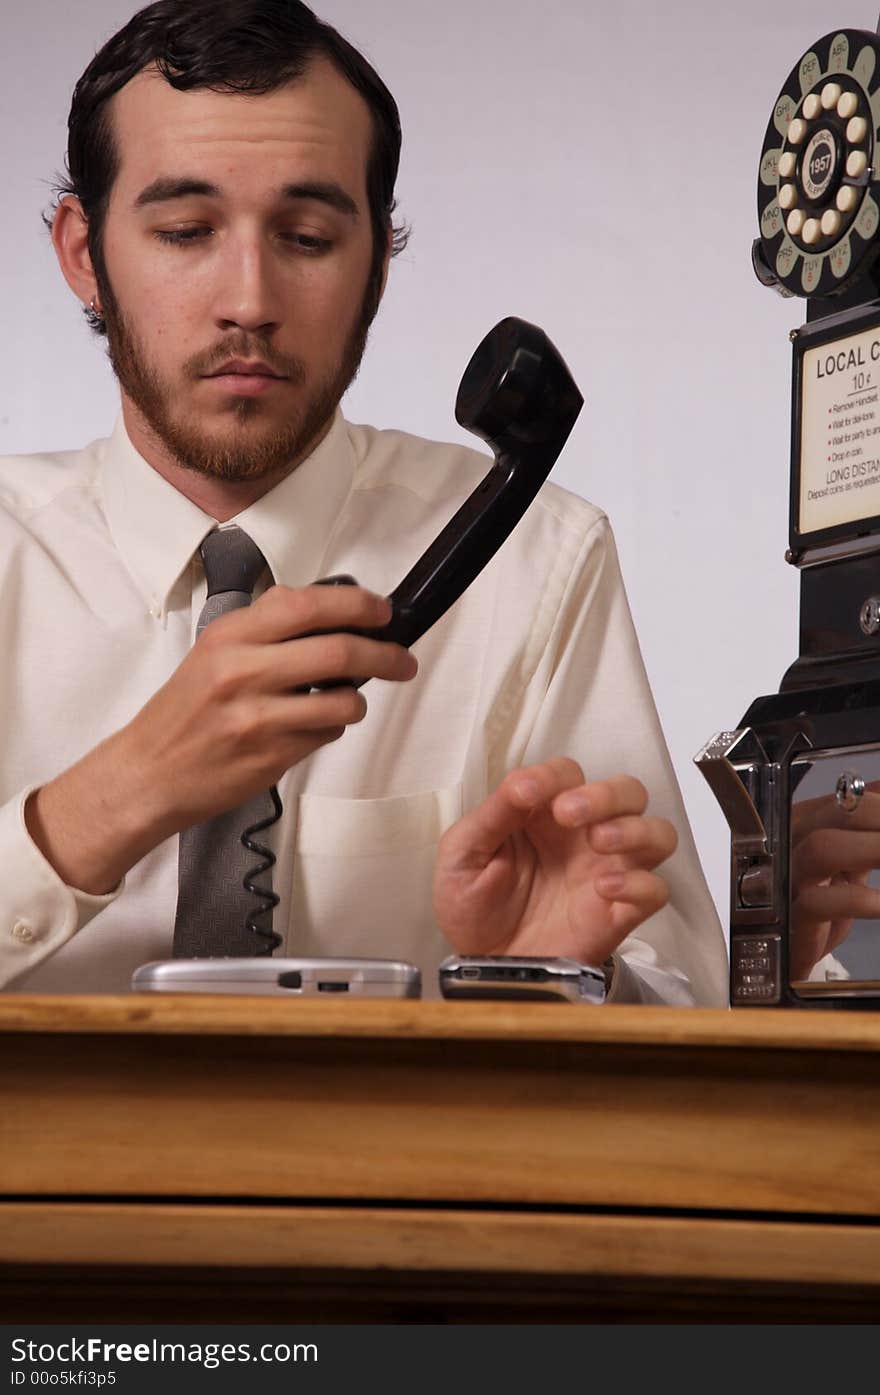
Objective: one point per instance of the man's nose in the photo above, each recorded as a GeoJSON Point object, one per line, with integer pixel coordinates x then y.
{"type": "Point", "coordinates": [247, 296]}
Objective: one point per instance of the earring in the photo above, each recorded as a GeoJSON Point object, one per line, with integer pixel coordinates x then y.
{"type": "Point", "coordinates": [93, 307]}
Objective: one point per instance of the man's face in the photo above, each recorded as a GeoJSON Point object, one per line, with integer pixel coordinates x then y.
{"type": "Point", "coordinates": [237, 249]}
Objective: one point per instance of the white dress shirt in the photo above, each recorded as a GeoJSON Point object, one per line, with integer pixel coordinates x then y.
{"type": "Point", "coordinates": [101, 586]}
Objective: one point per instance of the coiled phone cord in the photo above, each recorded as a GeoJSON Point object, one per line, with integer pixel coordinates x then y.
{"type": "Point", "coordinates": [267, 939]}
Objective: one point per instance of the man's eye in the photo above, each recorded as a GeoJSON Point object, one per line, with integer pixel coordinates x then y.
{"type": "Point", "coordinates": [179, 236]}
{"type": "Point", "coordinates": [308, 242]}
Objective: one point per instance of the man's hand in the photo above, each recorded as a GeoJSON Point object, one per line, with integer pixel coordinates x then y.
{"type": "Point", "coordinates": [833, 853]}
{"type": "Point", "coordinates": [549, 865]}
{"type": "Point", "coordinates": [234, 717]}
{"type": "Point", "coordinates": [227, 724]}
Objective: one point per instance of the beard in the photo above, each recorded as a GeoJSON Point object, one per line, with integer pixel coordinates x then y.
{"type": "Point", "coordinates": [242, 451]}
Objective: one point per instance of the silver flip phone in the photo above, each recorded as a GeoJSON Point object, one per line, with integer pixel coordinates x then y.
{"type": "Point", "coordinates": [294, 978]}
{"type": "Point", "coordinates": [522, 978]}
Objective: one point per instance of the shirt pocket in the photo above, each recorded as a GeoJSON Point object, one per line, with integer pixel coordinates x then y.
{"type": "Point", "coordinates": [362, 874]}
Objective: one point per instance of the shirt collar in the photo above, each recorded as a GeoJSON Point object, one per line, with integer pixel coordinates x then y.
{"type": "Point", "coordinates": [157, 530]}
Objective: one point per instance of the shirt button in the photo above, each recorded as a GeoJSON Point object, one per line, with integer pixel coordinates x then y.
{"type": "Point", "coordinates": [23, 932]}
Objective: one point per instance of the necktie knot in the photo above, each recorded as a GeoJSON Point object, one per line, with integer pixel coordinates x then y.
{"type": "Point", "coordinates": [233, 566]}
{"type": "Point", "coordinates": [232, 561]}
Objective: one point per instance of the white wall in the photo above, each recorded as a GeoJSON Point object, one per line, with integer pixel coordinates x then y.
{"type": "Point", "coordinates": [589, 167]}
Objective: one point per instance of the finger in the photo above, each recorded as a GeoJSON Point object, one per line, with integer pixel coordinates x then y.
{"type": "Point", "coordinates": [267, 760]}
{"type": "Point", "coordinates": [300, 662]}
{"type": "Point", "coordinates": [304, 745]}
{"type": "Point", "coordinates": [636, 895]}
{"type": "Point", "coordinates": [646, 842]}
{"type": "Point", "coordinates": [474, 840]}
{"type": "Point", "coordinates": [851, 878]}
{"type": "Point", "coordinates": [829, 851]}
{"type": "Point", "coordinates": [285, 612]}
{"type": "Point", "coordinates": [322, 736]}
{"type": "Point", "coordinates": [312, 712]}
{"type": "Point", "coordinates": [233, 670]}
{"type": "Point", "coordinates": [600, 800]}
{"type": "Point", "coordinates": [825, 812]}
{"type": "Point", "coordinates": [257, 729]}
{"type": "Point", "coordinates": [840, 902]}
{"type": "Point", "coordinates": [540, 784]}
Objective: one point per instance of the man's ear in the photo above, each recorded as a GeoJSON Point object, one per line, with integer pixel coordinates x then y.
{"type": "Point", "coordinates": [70, 238]}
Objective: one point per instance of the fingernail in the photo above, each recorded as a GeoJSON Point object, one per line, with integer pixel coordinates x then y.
{"type": "Point", "coordinates": [611, 884]}
{"type": "Point", "coordinates": [527, 789]}
{"type": "Point", "coordinates": [577, 807]}
{"type": "Point", "coordinates": [610, 836]}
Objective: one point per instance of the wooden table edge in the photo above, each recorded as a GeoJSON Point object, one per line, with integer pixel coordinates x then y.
{"type": "Point", "coordinates": [617, 1026]}
{"type": "Point", "coordinates": [251, 1236]}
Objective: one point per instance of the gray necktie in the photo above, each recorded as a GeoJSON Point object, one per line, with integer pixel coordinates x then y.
{"type": "Point", "coordinates": [212, 904]}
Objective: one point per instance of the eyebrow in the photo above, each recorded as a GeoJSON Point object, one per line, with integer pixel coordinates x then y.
{"type": "Point", "coordinates": [165, 188]}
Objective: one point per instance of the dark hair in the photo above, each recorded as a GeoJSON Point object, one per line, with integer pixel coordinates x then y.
{"type": "Point", "coordinates": [251, 46]}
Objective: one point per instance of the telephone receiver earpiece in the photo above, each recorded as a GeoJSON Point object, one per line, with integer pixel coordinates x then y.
{"type": "Point", "coordinates": [518, 396]}
{"type": "Point", "coordinates": [517, 393]}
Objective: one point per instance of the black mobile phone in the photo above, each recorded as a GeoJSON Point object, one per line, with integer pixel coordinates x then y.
{"type": "Point", "coordinates": [521, 978]}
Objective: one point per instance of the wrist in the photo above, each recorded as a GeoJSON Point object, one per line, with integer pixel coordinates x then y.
{"type": "Point", "coordinates": [89, 823]}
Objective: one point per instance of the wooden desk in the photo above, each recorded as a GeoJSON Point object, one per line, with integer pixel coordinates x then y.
{"type": "Point", "coordinates": [253, 1160]}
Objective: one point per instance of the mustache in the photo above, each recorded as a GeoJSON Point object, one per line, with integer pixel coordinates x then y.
{"type": "Point", "coordinates": [248, 347]}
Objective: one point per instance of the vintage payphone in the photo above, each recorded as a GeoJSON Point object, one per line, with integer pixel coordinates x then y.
{"type": "Point", "coordinates": [799, 777]}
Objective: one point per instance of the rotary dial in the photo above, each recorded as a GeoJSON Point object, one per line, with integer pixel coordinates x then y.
{"type": "Point", "coordinates": [818, 213]}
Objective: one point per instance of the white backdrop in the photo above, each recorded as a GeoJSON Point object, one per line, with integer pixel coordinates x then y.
{"type": "Point", "coordinates": [592, 168]}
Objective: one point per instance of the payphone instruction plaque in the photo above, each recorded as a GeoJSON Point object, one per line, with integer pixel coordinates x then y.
{"type": "Point", "coordinates": [840, 432]}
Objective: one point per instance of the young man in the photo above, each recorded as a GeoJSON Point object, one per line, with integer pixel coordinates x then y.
{"type": "Point", "coordinates": [228, 224]}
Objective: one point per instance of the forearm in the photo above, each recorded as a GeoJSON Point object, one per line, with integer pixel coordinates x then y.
{"type": "Point", "coordinates": [96, 820]}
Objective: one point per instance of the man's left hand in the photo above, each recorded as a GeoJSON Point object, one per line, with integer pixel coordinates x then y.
{"type": "Point", "coordinates": [550, 865]}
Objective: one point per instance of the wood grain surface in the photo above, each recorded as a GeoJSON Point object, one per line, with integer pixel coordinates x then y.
{"type": "Point", "coordinates": [638, 1146]}
{"type": "Point", "coordinates": [259, 1237]}
{"type": "Point", "coordinates": [232, 1015]}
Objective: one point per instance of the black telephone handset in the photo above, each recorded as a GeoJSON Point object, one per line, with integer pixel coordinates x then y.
{"type": "Point", "coordinates": [518, 396]}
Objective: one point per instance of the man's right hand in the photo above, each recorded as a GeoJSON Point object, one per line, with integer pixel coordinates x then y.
{"type": "Point", "coordinates": [833, 853]}
{"type": "Point", "coordinates": [225, 726]}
